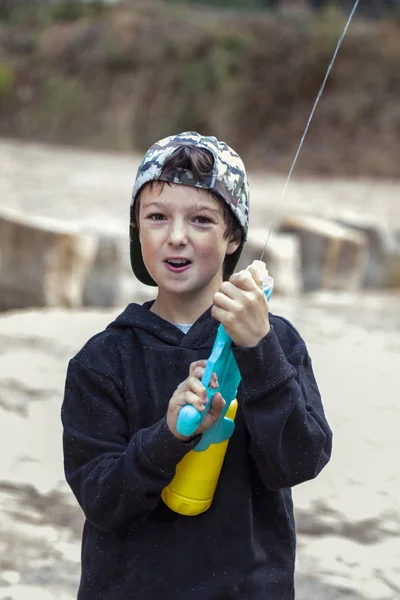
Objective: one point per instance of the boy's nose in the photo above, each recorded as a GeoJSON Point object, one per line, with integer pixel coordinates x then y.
{"type": "Point", "coordinates": [177, 234]}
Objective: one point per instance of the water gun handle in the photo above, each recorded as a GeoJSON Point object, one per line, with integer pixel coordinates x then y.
{"type": "Point", "coordinates": [223, 363]}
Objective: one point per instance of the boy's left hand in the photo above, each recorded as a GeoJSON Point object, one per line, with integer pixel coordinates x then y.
{"type": "Point", "coordinates": [242, 308]}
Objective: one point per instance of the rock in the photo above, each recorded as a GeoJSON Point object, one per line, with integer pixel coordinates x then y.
{"type": "Point", "coordinates": [393, 265]}
{"type": "Point", "coordinates": [382, 255]}
{"type": "Point", "coordinates": [282, 257]}
{"type": "Point", "coordinates": [42, 263]}
{"type": "Point", "coordinates": [332, 256]}
{"type": "Point", "coordinates": [111, 281]}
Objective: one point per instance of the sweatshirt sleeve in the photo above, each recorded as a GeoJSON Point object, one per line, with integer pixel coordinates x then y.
{"type": "Point", "coordinates": [116, 478]}
{"type": "Point", "coordinates": [290, 439]}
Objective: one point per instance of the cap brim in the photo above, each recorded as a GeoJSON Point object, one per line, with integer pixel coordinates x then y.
{"type": "Point", "coordinates": [137, 263]}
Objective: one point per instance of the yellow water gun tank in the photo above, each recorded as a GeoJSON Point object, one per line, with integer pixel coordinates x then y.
{"type": "Point", "coordinates": [191, 491]}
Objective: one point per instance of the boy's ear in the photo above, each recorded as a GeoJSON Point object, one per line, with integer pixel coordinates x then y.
{"type": "Point", "coordinates": [234, 242]}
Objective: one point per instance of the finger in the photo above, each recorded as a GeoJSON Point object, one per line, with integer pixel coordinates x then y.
{"type": "Point", "coordinates": [198, 388]}
{"type": "Point", "coordinates": [230, 290]}
{"type": "Point", "coordinates": [198, 373]}
{"type": "Point", "coordinates": [256, 275]}
{"type": "Point", "coordinates": [214, 380]}
{"type": "Point", "coordinates": [218, 401]}
{"type": "Point", "coordinates": [225, 317]}
{"type": "Point", "coordinates": [193, 399]}
{"type": "Point", "coordinates": [217, 406]}
{"type": "Point", "coordinates": [244, 281]}
{"type": "Point", "coordinates": [227, 303]}
{"type": "Point", "coordinates": [197, 363]}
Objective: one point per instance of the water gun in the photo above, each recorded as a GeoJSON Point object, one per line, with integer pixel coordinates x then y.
{"type": "Point", "coordinates": [192, 490]}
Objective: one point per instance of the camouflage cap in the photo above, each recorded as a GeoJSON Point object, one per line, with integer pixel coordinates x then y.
{"type": "Point", "coordinates": [227, 180]}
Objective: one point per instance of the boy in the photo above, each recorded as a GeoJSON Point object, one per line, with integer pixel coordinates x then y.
{"type": "Point", "coordinates": [125, 388]}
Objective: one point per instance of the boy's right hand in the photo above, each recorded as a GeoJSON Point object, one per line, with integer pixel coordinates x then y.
{"type": "Point", "coordinates": [192, 391]}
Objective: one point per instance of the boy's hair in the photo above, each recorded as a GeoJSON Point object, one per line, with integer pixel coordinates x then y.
{"type": "Point", "coordinates": [197, 161]}
{"type": "Point", "coordinates": [200, 162]}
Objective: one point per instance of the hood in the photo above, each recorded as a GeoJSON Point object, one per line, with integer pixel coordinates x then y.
{"type": "Point", "coordinates": [153, 330]}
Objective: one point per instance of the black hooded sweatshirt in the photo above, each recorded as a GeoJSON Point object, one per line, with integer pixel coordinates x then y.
{"type": "Point", "coordinates": [119, 454]}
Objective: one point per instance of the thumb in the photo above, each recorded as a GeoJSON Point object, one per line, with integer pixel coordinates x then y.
{"type": "Point", "coordinates": [217, 406]}
{"type": "Point", "coordinates": [256, 276]}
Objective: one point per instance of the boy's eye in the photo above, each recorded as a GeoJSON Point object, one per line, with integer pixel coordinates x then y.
{"type": "Point", "coordinates": [156, 217]}
{"type": "Point", "coordinates": [202, 219]}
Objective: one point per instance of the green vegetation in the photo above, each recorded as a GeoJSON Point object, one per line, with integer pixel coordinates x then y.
{"type": "Point", "coordinates": [7, 80]}
{"type": "Point", "coordinates": [39, 13]}
{"type": "Point", "coordinates": [139, 71]}
{"type": "Point", "coordinates": [246, 5]}
{"type": "Point", "coordinates": [71, 10]}
{"type": "Point", "coordinates": [68, 10]}
{"type": "Point", "coordinates": [65, 111]}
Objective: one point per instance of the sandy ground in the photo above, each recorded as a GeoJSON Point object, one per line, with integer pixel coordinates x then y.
{"type": "Point", "coordinates": [348, 518]}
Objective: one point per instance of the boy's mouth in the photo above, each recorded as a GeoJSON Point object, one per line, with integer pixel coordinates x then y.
{"type": "Point", "coordinates": [177, 265]}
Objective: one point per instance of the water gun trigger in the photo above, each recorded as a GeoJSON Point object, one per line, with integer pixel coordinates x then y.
{"type": "Point", "coordinates": [221, 431]}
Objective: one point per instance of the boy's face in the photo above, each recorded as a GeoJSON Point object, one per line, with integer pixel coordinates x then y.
{"type": "Point", "coordinates": [181, 231]}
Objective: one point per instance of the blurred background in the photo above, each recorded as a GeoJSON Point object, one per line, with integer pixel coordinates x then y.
{"type": "Point", "coordinates": [85, 88]}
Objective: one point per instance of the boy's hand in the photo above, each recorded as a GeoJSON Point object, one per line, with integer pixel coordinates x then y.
{"type": "Point", "coordinates": [242, 308]}
{"type": "Point", "coordinates": [192, 391]}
